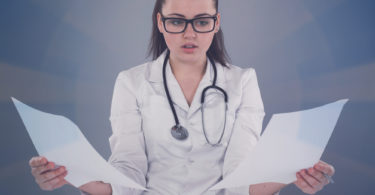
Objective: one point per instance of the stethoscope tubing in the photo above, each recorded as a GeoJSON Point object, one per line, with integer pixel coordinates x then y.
{"type": "Point", "coordinates": [178, 131]}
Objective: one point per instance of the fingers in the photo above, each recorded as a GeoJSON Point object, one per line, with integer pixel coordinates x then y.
{"type": "Point", "coordinates": [46, 175]}
{"type": "Point", "coordinates": [315, 178]}
{"type": "Point", "coordinates": [311, 180]}
{"type": "Point", "coordinates": [317, 175]}
{"type": "Point", "coordinates": [49, 175]}
{"type": "Point", "coordinates": [325, 168]}
{"type": "Point", "coordinates": [37, 161]}
{"type": "Point", "coordinates": [303, 185]}
{"type": "Point", "coordinates": [55, 182]}
{"type": "Point", "coordinates": [36, 171]}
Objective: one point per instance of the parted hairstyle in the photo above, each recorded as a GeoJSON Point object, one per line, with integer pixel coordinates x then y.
{"type": "Point", "coordinates": [157, 43]}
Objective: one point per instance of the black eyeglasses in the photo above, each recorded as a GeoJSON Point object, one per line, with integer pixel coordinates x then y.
{"type": "Point", "coordinates": [178, 25]}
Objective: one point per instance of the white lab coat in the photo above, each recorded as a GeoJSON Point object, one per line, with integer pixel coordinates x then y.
{"type": "Point", "coordinates": [143, 148]}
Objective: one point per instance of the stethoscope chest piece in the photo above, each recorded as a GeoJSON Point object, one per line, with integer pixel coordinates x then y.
{"type": "Point", "coordinates": [179, 132]}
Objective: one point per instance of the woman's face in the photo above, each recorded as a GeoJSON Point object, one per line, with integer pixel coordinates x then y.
{"type": "Point", "coordinates": [179, 44]}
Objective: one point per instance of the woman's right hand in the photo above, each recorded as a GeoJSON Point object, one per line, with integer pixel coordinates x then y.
{"type": "Point", "coordinates": [46, 175]}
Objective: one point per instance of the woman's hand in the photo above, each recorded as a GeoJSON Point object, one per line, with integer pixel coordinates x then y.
{"type": "Point", "coordinates": [46, 175]}
{"type": "Point", "coordinates": [313, 179]}
{"type": "Point", "coordinates": [96, 188]}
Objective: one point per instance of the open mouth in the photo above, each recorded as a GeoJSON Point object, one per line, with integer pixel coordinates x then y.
{"type": "Point", "coordinates": [188, 46]}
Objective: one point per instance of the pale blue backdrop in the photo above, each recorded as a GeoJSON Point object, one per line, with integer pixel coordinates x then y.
{"type": "Point", "coordinates": [63, 57]}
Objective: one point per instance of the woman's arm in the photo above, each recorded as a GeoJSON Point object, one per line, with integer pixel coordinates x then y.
{"type": "Point", "coordinates": [266, 188]}
{"type": "Point", "coordinates": [127, 140]}
{"type": "Point", "coordinates": [247, 124]}
{"type": "Point", "coordinates": [96, 188]}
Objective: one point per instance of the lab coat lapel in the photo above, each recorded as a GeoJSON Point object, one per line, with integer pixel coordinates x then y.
{"type": "Point", "coordinates": [155, 76]}
{"type": "Point", "coordinates": [205, 82]}
{"type": "Point", "coordinates": [175, 90]}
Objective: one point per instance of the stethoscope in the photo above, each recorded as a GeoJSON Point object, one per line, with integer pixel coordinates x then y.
{"type": "Point", "coordinates": [178, 131]}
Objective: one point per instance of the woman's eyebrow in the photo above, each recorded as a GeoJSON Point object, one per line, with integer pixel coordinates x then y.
{"type": "Point", "coordinates": [200, 15]}
{"type": "Point", "coordinates": [181, 15]}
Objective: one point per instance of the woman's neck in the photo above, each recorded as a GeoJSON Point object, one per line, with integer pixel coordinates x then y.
{"type": "Point", "coordinates": [188, 69]}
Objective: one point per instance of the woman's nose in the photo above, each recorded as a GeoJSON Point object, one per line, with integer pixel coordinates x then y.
{"type": "Point", "coordinates": [189, 31]}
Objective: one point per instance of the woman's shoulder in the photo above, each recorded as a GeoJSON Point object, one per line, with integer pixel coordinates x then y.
{"type": "Point", "coordinates": [133, 78]}
{"type": "Point", "coordinates": [238, 69]}
{"type": "Point", "coordinates": [234, 72]}
{"type": "Point", "coordinates": [135, 72]}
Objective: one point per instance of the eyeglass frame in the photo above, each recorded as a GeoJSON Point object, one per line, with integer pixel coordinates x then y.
{"type": "Point", "coordinates": [187, 21]}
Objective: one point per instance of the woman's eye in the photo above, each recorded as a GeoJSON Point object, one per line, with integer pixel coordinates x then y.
{"type": "Point", "coordinates": [202, 22]}
{"type": "Point", "coordinates": [176, 22]}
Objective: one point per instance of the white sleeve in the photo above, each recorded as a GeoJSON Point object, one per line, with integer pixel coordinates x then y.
{"type": "Point", "coordinates": [127, 139]}
{"type": "Point", "coordinates": [247, 127]}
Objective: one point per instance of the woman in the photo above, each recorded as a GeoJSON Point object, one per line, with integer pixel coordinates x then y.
{"type": "Point", "coordinates": [162, 136]}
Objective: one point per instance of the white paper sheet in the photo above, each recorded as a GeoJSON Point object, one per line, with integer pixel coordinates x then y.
{"type": "Point", "coordinates": [290, 142]}
{"type": "Point", "coordinates": [60, 141]}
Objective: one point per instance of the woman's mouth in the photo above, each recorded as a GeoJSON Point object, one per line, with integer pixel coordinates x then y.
{"type": "Point", "coordinates": [189, 48]}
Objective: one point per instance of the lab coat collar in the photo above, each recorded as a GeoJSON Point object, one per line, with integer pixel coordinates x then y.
{"type": "Point", "coordinates": [155, 75]}
{"type": "Point", "coordinates": [155, 69]}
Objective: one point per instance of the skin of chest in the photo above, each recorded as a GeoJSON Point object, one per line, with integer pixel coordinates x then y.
{"type": "Point", "coordinates": [189, 87]}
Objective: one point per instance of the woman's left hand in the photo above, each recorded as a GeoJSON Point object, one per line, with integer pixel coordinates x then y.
{"type": "Point", "coordinates": [313, 179]}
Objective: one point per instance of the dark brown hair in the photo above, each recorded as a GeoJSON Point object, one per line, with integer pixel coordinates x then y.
{"type": "Point", "coordinates": [157, 43]}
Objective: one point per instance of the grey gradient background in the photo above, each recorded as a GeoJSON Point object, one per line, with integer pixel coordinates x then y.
{"type": "Point", "coordinates": [62, 57]}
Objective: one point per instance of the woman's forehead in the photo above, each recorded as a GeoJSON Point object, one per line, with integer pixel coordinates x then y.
{"type": "Point", "coordinates": [188, 8]}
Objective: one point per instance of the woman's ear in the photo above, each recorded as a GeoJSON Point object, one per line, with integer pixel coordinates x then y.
{"type": "Point", "coordinates": [217, 25]}
{"type": "Point", "coordinates": [160, 23]}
